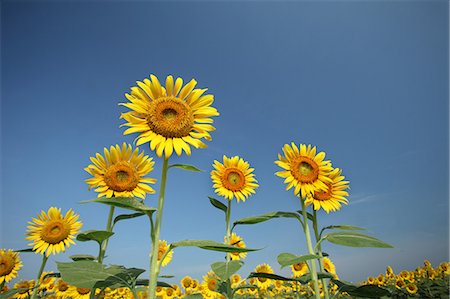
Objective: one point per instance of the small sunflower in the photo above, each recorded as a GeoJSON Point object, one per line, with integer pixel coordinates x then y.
{"type": "Point", "coordinates": [121, 172]}
{"type": "Point", "coordinates": [62, 289]}
{"type": "Point", "coordinates": [299, 269]}
{"type": "Point", "coordinates": [79, 293]}
{"type": "Point", "coordinates": [304, 170]}
{"type": "Point", "coordinates": [233, 178]}
{"type": "Point", "coordinates": [210, 285]}
{"type": "Point", "coordinates": [186, 282]}
{"type": "Point", "coordinates": [411, 288]}
{"type": "Point", "coordinates": [26, 287]}
{"type": "Point", "coordinates": [171, 118]}
{"type": "Point", "coordinates": [10, 263]}
{"type": "Point", "coordinates": [51, 232]}
{"type": "Point", "coordinates": [46, 283]}
{"type": "Point", "coordinates": [263, 283]}
{"type": "Point", "coordinates": [329, 267]}
{"type": "Point", "coordinates": [163, 247]}
{"type": "Point", "coordinates": [330, 200]}
{"type": "Point", "coordinates": [237, 241]}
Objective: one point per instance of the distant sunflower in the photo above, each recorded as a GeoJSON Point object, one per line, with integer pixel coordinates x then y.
{"type": "Point", "coordinates": [237, 241]}
{"type": "Point", "coordinates": [79, 293]}
{"type": "Point", "coordinates": [62, 289]}
{"type": "Point", "coordinates": [329, 266]}
{"type": "Point", "coordinates": [121, 172]}
{"type": "Point", "coordinates": [186, 282]}
{"type": "Point", "coordinates": [411, 288]}
{"type": "Point", "coordinates": [233, 178]}
{"type": "Point", "coordinates": [51, 232]}
{"type": "Point", "coordinates": [10, 263]}
{"type": "Point", "coordinates": [26, 289]}
{"type": "Point", "coordinates": [163, 247]}
{"type": "Point", "coordinates": [299, 269]}
{"type": "Point", "coordinates": [304, 170]}
{"type": "Point", "coordinates": [210, 285]}
{"type": "Point", "coordinates": [330, 200]}
{"type": "Point", "coordinates": [263, 283]}
{"type": "Point", "coordinates": [171, 118]}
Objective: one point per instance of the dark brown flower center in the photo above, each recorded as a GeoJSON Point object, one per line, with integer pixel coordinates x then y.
{"type": "Point", "coordinates": [55, 231]}
{"type": "Point", "coordinates": [121, 177]}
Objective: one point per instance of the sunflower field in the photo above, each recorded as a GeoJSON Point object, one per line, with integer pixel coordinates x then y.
{"type": "Point", "coordinates": [173, 118]}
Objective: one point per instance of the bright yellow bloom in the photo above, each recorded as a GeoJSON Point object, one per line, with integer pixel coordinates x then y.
{"type": "Point", "coordinates": [234, 178]}
{"type": "Point", "coordinates": [171, 118]}
{"type": "Point", "coordinates": [46, 283]}
{"type": "Point", "coordinates": [62, 289]}
{"type": "Point", "coordinates": [237, 241]}
{"type": "Point", "coordinates": [411, 288]}
{"type": "Point", "coordinates": [304, 171]}
{"type": "Point", "coordinates": [163, 247]}
{"type": "Point", "coordinates": [27, 286]}
{"type": "Point", "coordinates": [79, 293]}
{"type": "Point", "coordinates": [121, 172]}
{"type": "Point", "coordinates": [186, 282]}
{"type": "Point", "coordinates": [329, 266]}
{"type": "Point", "coordinates": [210, 285]}
{"type": "Point", "coordinates": [263, 283]}
{"type": "Point", "coordinates": [299, 269]}
{"type": "Point", "coordinates": [51, 232]}
{"type": "Point", "coordinates": [331, 199]}
{"type": "Point", "coordinates": [10, 263]}
{"type": "Point", "coordinates": [236, 279]}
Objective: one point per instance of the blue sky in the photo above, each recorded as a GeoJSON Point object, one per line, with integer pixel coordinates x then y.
{"type": "Point", "coordinates": [365, 81]}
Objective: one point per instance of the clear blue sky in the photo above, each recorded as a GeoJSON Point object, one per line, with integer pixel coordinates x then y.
{"type": "Point", "coordinates": [366, 81]}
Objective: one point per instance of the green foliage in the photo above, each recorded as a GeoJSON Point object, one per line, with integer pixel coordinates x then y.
{"type": "Point", "coordinates": [218, 204]}
{"type": "Point", "coordinates": [352, 239]}
{"type": "Point", "coordinates": [225, 269]}
{"type": "Point", "coordinates": [341, 227]}
{"type": "Point", "coordinates": [185, 167]}
{"type": "Point", "coordinates": [129, 203]}
{"type": "Point", "coordinates": [366, 291]}
{"type": "Point", "coordinates": [82, 257]}
{"type": "Point", "coordinates": [287, 259]}
{"type": "Point", "coordinates": [127, 216]}
{"type": "Point", "coordinates": [265, 217]}
{"type": "Point", "coordinates": [10, 293]}
{"type": "Point", "coordinates": [210, 245]}
{"type": "Point", "coordinates": [94, 235]}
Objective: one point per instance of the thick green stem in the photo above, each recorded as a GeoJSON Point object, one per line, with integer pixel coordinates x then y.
{"type": "Point", "coordinates": [154, 265]}
{"type": "Point", "coordinates": [310, 250]}
{"type": "Point", "coordinates": [104, 245]}
{"type": "Point", "coordinates": [319, 250]}
{"type": "Point", "coordinates": [38, 279]}
{"type": "Point", "coordinates": [228, 231]}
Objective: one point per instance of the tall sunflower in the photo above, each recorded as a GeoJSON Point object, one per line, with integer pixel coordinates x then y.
{"type": "Point", "coordinates": [237, 241]}
{"type": "Point", "coordinates": [330, 199]}
{"type": "Point", "coordinates": [170, 118]}
{"type": "Point", "coordinates": [121, 172]}
{"type": "Point", "coordinates": [233, 178]}
{"type": "Point", "coordinates": [10, 263]}
{"type": "Point", "coordinates": [52, 232]}
{"type": "Point", "coordinates": [304, 170]}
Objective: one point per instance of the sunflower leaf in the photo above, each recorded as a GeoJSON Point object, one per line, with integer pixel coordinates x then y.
{"type": "Point", "coordinates": [211, 245]}
{"type": "Point", "coordinates": [82, 257]}
{"type": "Point", "coordinates": [225, 269]}
{"type": "Point", "coordinates": [186, 167]}
{"type": "Point", "coordinates": [25, 250]}
{"type": "Point", "coordinates": [218, 204]}
{"type": "Point", "coordinates": [129, 203]}
{"type": "Point", "coordinates": [265, 217]}
{"type": "Point", "coordinates": [94, 235]}
{"type": "Point", "coordinates": [127, 216]}
{"type": "Point", "coordinates": [144, 282]}
{"type": "Point", "coordinates": [352, 239]}
{"type": "Point", "coordinates": [287, 259]}
{"type": "Point", "coordinates": [341, 227]}
{"type": "Point", "coordinates": [366, 291]}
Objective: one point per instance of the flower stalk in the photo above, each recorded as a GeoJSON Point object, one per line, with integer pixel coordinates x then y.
{"type": "Point", "coordinates": [154, 264]}
{"type": "Point", "coordinates": [319, 251]}
{"type": "Point", "coordinates": [38, 279]}
{"type": "Point", "coordinates": [104, 245]}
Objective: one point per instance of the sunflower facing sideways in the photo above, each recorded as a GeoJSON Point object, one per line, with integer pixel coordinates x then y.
{"type": "Point", "coordinates": [163, 247]}
{"type": "Point", "coordinates": [10, 263]}
{"type": "Point", "coordinates": [304, 170]}
{"type": "Point", "coordinates": [234, 178]}
{"type": "Point", "coordinates": [52, 232]}
{"type": "Point", "coordinates": [120, 172]}
{"type": "Point", "coordinates": [170, 118]}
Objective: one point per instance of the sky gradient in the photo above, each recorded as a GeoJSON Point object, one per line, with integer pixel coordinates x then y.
{"type": "Point", "coordinates": [366, 82]}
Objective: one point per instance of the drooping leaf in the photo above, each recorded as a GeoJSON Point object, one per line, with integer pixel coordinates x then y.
{"type": "Point", "coordinates": [144, 282]}
{"type": "Point", "coordinates": [25, 250]}
{"type": "Point", "coordinates": [366, 291]}
{"type": "Point", "coordinates": [355, 240]}
{"type": "Point", "coordinates": [166, 276]}
{"type": "Point", "coordinates": [211, 245]}
{"type": "Point", "coordinates": [265, 217]}
{"type": "Point", "coordinates": [129, 203]}
{"type": "Point", "coordinates": [186, 167]}
{"type": "Point", "coordinates": [225, 269]}
{"type": "Point", "coordinates": [287, 259]}
{"type": "Point", "coordinates": [218, 204]}
{"type": "Point", "coordinates": [94, 235]}
{"type": "Point", "coordinates": [308, 215]}
{"type": "Point", "coordinates": [127, 216]}
{"type": "Point", "coordinates": [304, 279]}
{"type": "Point", "coordinates": [341, 227]}
{"type": "Point", "coordinates": [82, 257]}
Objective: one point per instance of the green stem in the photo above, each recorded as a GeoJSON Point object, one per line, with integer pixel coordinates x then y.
{"type": "Point", "coordinates": [319, 250]}
{"type": "Point", "coordinates": [104, 245]}
{"type": "Point", "coordinates": [228, 232]}
{"type": "Point", "coordinates": [310, 250]}
{"type": "Point", "coordinates": [154, 265]}
{"type": "Point", "coordinates": [2, 284]}
{"type": "Point", "coordinates": [38, 279]}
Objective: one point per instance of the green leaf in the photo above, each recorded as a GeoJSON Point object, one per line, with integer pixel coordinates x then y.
{"type": "Point", "coordinates": [265, 217]}
{"type": "Point", "coordinates": [304, 279]}
{"type": "Point", "coordinates": [194, 296]}
{"type": "Point", "coordinates": [10, 293]}
{"type": "Point", "coordinates": [218, 204]}
{"type": "Point", "coordinates": [287, 259]}
{"type": "Point", "coordinates": [270, 276]}
{"type": "Point", "coordinates": [25, 250]}
{"type": "Point", "coordinates": [144, 282]}
{"type": "Point", "coordinates": [341, 227]}
{"type": "Point", "coordinates": [355, 240]}
{"type": "Point", "coordinates": [366, 291]}
{"type": "Point", "coordinates": [94, 235]}
{"type": "Point", "coordinates": [129, 203]}
{"type": "Point", "coordinates": [186, 167]}
{"type": "Point", "coordinates": [211, 245]}
{"type": "Point", "coordinates": [82, 257]}
{"type": "Point", "coordinates": [127, 216]}
{"type": "Point", "coordinates": [308, 215]}
{"type": "Point", "coordinates": [166, 276]}
{"type": "Point", "coordinates": [225, 269]}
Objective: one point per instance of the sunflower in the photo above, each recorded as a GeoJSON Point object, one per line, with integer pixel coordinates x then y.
{"type": "Point", "coordinates": [26, 287]}
{"type": "Point", "coordinates": [46, 283]}
{"type": "Point", "coordinates": [304, 171]}
{"type": "Point", "coordinates": [51, 232]}
{"type": "Point", "coordinates": [330, 200]}
{"type": "Point", "coordinates": [299, 269]}
{"type": "Point", "coordinates": [10, 263]}
{"type": "Point", "coordinates": [411, 288]}
{"type": "Point", "coordinates": [163, 247]}
{"type": "Point", "coordinates": [233, 178]}
{"type": "Point", "coordinates": [121, 172]}
{"type": "Point", "coordinates": [62, 289]}
{"type": "Point", "coordinates": [263, 283]}
{"type": "Point", "coordinates": [210, 285]}
{"type": "Point", "coordinates": [237, 241]}
{"type": "Point", "coordinates": [329, 267]}
{"type": "Point", "coordinates": [171, 118]}
{"type": "Point", "coordinates": [79, 293]}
